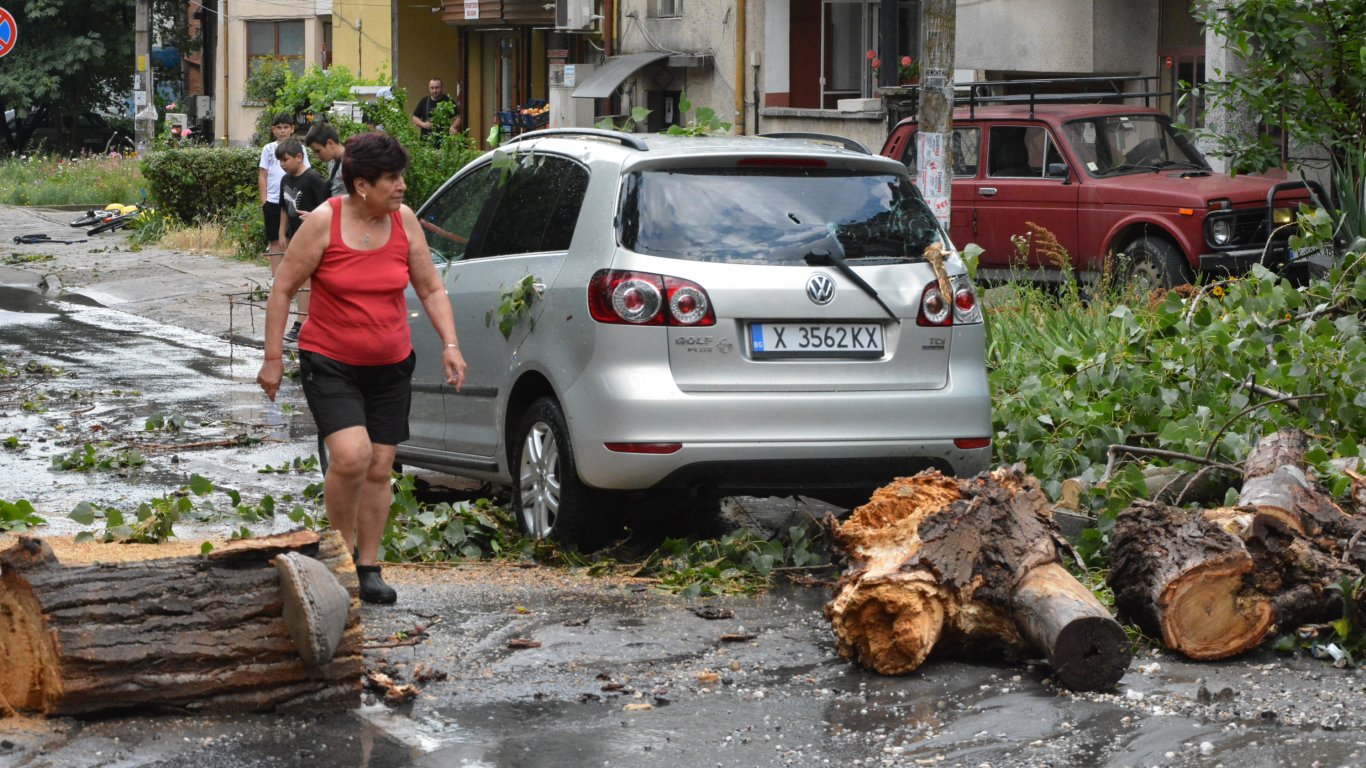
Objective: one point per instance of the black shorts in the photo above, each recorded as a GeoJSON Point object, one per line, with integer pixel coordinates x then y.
{"type": "Point", "coordinates": [372, 396]}
{"type": "Point", "coordinates": [271, 212]}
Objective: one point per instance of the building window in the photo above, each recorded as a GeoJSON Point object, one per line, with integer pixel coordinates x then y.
{"type": "Point", "coordinates": [663, 9]}
{"type": "Point", "coordinates": [849, 29]}
{"type": "Point", "coordinates": [276, 39]}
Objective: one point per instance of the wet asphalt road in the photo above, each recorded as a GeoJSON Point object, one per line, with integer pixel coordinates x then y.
{"type": "Point", "coordinates": [623, 675]}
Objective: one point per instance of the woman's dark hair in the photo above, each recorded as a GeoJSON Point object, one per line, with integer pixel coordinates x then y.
{"type": "Point", "coordinates": [371, 155]}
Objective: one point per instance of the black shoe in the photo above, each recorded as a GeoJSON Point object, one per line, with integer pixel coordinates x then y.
{"type": "Point", "coordinates": [372, 586]}
{"type": "Point", "coordinates": [292, 335]}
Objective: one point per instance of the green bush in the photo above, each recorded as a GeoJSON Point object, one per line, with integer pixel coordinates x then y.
{"type": "Point", "coordinates": [311, 95]}
{"type": "Point", "coordinates": [245, 229]}
{"type": "Point", "coordinates": [202, 183]}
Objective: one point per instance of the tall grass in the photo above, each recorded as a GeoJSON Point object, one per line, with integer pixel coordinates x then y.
{"type": "Point", "coordinates": [97, 179]}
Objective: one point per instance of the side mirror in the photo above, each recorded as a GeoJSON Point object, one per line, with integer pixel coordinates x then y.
{"type": "Point", "coordinates": [1056, 171]}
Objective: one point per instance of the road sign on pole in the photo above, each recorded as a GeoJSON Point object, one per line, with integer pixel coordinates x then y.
{"type": "Point", "coordinates": [9, 32]}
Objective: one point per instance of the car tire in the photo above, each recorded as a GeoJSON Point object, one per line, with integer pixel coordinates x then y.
{"type": "Point", "coordinates": [1154, 262]}
{"type": "Point", "coordinates": [548, 499]}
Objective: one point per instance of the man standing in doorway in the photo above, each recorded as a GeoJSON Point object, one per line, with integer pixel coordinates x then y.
{"type": "Point", "coordinates": [422, 116]}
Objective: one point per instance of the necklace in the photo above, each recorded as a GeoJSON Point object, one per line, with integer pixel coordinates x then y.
{"type": "Point", "coordinates": [366, 239]}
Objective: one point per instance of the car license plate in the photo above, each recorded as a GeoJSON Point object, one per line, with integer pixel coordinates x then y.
{"type": "Point", "coordinates": [771, 340]}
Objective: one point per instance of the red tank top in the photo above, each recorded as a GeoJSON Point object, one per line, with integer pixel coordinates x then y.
{"type": "Point", "coordinates": [356, 311]}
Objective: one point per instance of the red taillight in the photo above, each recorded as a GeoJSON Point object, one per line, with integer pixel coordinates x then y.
{"type": "Point", "coordinates": [967, 443]}
{"type": "Point", "coordinates": [656, 448]}
{"type": "Point", "coordinates": [642, 298]}
{"type": "Point", "coordinates": [934, 308]}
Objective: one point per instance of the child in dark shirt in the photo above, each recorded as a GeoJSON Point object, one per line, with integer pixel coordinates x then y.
{"type": "Point", "coordinates": [301, 190]}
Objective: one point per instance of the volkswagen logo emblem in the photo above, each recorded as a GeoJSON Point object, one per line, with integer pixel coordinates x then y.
{"type": "Point", "coordinates": [820, 289]}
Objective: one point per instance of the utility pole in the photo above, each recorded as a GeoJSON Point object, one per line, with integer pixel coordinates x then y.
{"type": "Point", "coordinates": [144, 104]}
{"type": "Point", "coordinates": [939, 25]}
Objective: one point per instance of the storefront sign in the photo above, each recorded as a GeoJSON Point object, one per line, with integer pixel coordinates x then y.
{"type": "Point", "coordinates": [557, 53]}
{"type": "Point", "coordinates": [471, 9]}
{"type": "Point", "coordinates": [569, 81]}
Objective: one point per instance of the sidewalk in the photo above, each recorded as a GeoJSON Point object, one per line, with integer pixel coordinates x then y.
{"type": "Point", "coordinates": [189, 290]}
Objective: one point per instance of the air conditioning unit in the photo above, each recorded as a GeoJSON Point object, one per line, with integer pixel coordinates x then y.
{"type": "Point", "coordinates": [574, 14]}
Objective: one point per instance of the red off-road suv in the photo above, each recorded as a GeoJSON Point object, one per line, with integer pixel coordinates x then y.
{"type": "Point", "coordinates": [1106, 179]}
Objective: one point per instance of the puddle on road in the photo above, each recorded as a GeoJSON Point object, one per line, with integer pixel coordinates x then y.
{"type": "Point", "coordinates": [119, 371]}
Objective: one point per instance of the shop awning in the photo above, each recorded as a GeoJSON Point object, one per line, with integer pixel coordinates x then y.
{"type": "Point", "coordinates": [614, 72]}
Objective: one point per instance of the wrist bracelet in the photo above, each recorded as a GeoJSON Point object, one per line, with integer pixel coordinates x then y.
{"type": "Point", "coordinates": [277, 357]}
{"type": "Point", "coordinates": [453, 346]}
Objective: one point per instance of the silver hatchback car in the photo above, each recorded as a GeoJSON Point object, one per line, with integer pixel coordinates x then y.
{"type": "Point", "coordinates": [708, 316]}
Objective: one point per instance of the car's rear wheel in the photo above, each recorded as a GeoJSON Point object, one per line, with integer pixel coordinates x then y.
{"type": "Point", "coordinates": [1154, 262]}
{"type": "Point", "coordinates": [548, 497]}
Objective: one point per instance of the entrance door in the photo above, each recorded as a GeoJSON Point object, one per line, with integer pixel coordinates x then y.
{"type": "Point", "coordinates": [503, 70]}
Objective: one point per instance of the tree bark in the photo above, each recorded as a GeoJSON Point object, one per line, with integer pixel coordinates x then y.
{"type": "Point", "coordinates": [1186, 580]}
{"type": "Point", "coordinates": [197, 634]}
{"type": "Point", "coordinates": [966, 565]}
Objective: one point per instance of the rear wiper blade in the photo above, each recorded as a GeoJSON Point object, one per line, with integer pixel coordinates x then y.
{"type": "Point", "coordinates": [838, 262]}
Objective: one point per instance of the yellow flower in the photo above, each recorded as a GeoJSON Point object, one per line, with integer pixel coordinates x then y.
{"type": "Point", "coordinates": [1217, 291]}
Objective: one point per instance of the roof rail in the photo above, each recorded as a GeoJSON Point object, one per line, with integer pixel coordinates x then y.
{"type": "Point", "coordinates": [844, 141]}
{"type": "Point", "coordinates": [1075, 90]}
{"type": "Point", "coordinates": [626, 139]}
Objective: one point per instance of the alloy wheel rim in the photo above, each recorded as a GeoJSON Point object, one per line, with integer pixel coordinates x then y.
{"type": "Point", "coordinates": [540, 480]}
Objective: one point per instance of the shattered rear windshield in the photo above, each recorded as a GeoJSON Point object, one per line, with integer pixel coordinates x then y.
{"type": "Point", "coordinates": [774, 215]}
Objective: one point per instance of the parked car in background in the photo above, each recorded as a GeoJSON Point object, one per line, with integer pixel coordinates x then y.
{"type": "Point", "coordinates": [1108, 180]}
{"type": "Point", "coordinates": [704, 316]}
{"type": "Point", "coordinates": [47, 130]}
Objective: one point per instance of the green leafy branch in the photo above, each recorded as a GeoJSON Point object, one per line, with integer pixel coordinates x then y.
{"type": "Point", "coordinates": [703, 123]}
{"type": "Point", "coordinates": [18, 516]}
{"type": "Point", "coordinates": [514, 306]}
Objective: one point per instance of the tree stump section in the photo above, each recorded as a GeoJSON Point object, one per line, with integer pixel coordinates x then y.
{"type": "Point", "coordinates": [185, 634]}
{"type": "Point", "coordinates": [968, 566]}
{"type": "Point", "coordinates": [1188, 581]}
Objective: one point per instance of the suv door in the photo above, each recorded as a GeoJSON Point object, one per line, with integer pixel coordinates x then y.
{"type": "Point", "coordinates": [526, 230]}
{"type": "Point", "coordinates": [449, 220]}
{"type": "Point", "coordinates": [1017, 189]}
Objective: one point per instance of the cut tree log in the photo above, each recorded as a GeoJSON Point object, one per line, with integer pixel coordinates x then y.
{"type": "Point", "coordinates": [1188, 581]}
{"type": "Point", "coordinates": [939, 564]}
{"type": "Point", "coordinates": [189, 633]}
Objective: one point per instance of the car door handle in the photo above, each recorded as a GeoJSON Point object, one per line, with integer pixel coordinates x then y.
{"type": "Point", "coordinates": [987, 191]}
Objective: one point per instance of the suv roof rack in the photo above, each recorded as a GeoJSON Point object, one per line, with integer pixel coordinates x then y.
{"type": "Point", "coordinates": [626, 139]}
{"type": "Point", "coordinates": [1076, 90]}
{"type": "Point", "coordinates": [843, 141]}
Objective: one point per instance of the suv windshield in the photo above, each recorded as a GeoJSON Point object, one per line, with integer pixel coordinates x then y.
{"type": "Point", "coordinates": [774, 215]}
{"type": "Point", "coordinates": [1113, 145]}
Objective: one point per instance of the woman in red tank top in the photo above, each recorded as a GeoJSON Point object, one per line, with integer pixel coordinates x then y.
{"type": "Point", "coordinates": [355, 357]}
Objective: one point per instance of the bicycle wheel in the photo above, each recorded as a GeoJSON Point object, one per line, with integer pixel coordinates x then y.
{"type": "Point", "coordinates": [113, 224]}
{"type": "Point", "coordinates": [91, 217]}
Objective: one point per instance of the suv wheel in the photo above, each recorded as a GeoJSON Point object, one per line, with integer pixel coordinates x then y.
{"type": "Point", "coordinates": [548, 498]}
{"type": "Point", "coordinates": [1153, 262]}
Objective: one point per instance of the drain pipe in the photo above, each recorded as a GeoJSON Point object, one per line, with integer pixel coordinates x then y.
{"type": "Point", "coordinates": [740, 67]}
{"type": "Point", "coordinates": [221, 99]}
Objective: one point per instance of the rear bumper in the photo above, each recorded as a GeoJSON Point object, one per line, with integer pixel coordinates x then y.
{"type": "Point", "coordinates": [774, 443]}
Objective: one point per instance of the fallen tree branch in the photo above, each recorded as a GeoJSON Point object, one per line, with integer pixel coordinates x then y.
{"type": "Point", "coordinates": [1251, 385]}
{"type": "Point", "coordinates": [224, 443]}
{"type": "Point", "coordinates": [1340, 307]}
{"type": "Point", "coordinates": [1113, 452]}
{"type": "Point", "coordinates": [1288, 398]}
